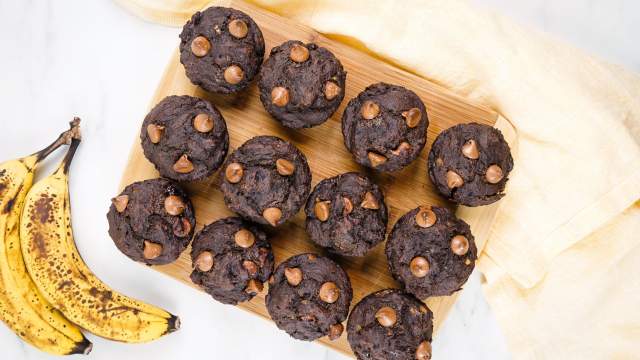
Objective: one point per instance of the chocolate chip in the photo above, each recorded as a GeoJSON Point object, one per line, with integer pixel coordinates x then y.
{"type": "Point", "coordinates": [335, 331]}
{"type": "Point", "coordinates": [204, 261]}
{"type": "Point", "coordinates": [233, 173]}
{"type": "Point", "coordinates": [470, 149]}
{"type": "Point", "coordinates": [329, 292]}
{"type": "Point", "coordinates": [403, 147]}
{"type": "Point", "coordinates": [494, 174]}
{"type": "Point", "coordinates": [322, 209]}
{"type": "Point", "coordinates": [250, 266]}
{"type": "Point", "coordinates": [120, 202]}
{"type": "Point", "coordinates": [238, 28]}
{"type": "Point", "coordinates": [154, 132]}
{"type": "Point", "coordinates": [376, 159]}
{"type": "Point", "coordinates": [299, 53]}
{"type": "Point", "coordinates": [244, 238]}
{"type": "Point", "coordinates": [419, 266]}
{"type": "Point", "coordinates": [233, 74]}
{"type": "Point", "coordinates": [348, 206]}
{"type": "Point", "coordinates": [425, 217]}
{"type": "Point", "coordinates": [151, 250]}
{"type": "Point", "coordinates": [412, 117]}
{"type": "Point", "coordinates": [369, 110]}
{"type": "Point", "coordinates": [285, 167]}
{"type": "Point", "coordinates": [272, 215]}
{"type": "Point", "coordinates": [174, 205]}
{"type": "Point", "coordinates": [293, 275]}
{"type": "Point", "coordinates": [183, 165]}
{"type": "Point", "coordinates": [331, 90]}
{"type": "Point", "coordinates": [279, 96]}
{"type": "Point", "coordinates": [460, 245]}
{"type": "Point", "coordinates": [203, 123]}
{"type": "Point", "coordinates": [423, 352]}
{"type": "Point", "coordinates": [200, 46]}
{"type": "Point", "coordinates": [454, 180]}
{"type": "Point", "coordinates": [386, 316]}
{"type": "Point", "coordinates": [370, 202]}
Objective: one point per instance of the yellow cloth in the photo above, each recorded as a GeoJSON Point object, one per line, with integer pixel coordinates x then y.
{"type": "Point", "coordinates": [562, 258]}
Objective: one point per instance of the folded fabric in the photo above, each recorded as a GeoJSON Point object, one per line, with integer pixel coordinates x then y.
{"type": "Point", "coordinates": [555, 282]}
{"type": "Point", "coordinates": [587, 305]}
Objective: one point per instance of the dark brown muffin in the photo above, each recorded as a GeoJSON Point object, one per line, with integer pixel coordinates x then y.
{"type": "Point", "coordinates": [431, 252]}
{"type": "Point", "coordinates": [385, 127]}
{"type": "Point", "coordinates": [390, 325]}
{"type": "Point", "coordinates": [231, 260]}
{"type": "Point", "coordinates": [309, 297]}
{"type": "Point", "coordinates": [152, 221]}
{"type": "Point", "coordinates": [301, 85]}
{"type": "Point", "coordinates": [346, 214]}
{"type": "Point", "coordinates": [267, 180]}
{"type": "Point", "coordinates": [221, 49]}
{"type": "Point", "coordinates": [185, 138]}
{"type": "Point", "coordinates": [470, 164]}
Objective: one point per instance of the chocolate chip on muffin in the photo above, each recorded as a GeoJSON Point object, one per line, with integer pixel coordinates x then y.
{"type": "Point", "coordinates": [185, 138]}
{"type": "Point", "coordinates": [221, 49]}
{"type": "Point", "coordinates": [470, 163]}
{"type": "Point", "coordinates": [431, 252]}
{"type": "Point", "coordinates": [301, 85]}
{"type": "Point", "coordinates": [346, 214]}
{"type": "Point", "coordinates": [267, 180]}
{"type": "Point", "coordinates": [385, 127]}
{"type": "Point", "coordinates": [151, 221]}
{"type": "Point", "coordinates": [309, 297]}
{"type": "Point", "coordinates": [232, 259]}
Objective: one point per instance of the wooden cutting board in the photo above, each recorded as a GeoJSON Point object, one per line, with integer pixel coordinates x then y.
{"type": "Point", "coordinates": [326, 154]}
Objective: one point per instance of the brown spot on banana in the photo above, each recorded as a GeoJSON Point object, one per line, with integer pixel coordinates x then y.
{"type": "Point", "coordinates": [39, 245]}
{"type": "Point", "coordinates": [42, 209]}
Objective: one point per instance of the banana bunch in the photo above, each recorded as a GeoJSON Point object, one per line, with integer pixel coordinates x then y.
{"type": "Point", "coordinates": [22, 307]}
{"type": "Point", "coordinates": [47, 292]}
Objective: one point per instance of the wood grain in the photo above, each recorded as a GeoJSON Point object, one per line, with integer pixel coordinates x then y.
{"type": "Point", "coordinates": [326, 154]}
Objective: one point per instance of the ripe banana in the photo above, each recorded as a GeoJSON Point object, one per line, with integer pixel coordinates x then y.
{"type": "Point", "coordinates": [22, 307]}
{"type": "Point", "coordinates": [63, 278]}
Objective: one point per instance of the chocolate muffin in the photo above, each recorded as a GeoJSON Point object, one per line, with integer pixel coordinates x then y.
{"type": "Point", "coordinates": [267, 180]}
{"type": "Point", "coordinates": [390, 325]}
{"type": "Point", "coordinates": [231, 260]}
{"type": "Point", "coordinates": [385, 127]}
{"type": "Point", "coordinates": [470, 163]}
{"type": "Point", "coordinates": [431, 252]}
{"type": "Point", "coordinates": [221, 49]}
{"type": "Point", "coordinates": [309, 297]}
{"type": "Point", "coordinates": [346, 214]}
{"type": "Point", "coordinates": [301, 85]}
{"type": "Point", "coordinates": [185, 138]}
{"type": "Point", "coordinates": [151, 221]}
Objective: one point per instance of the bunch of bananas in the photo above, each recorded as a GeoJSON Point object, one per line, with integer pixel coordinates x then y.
{"type": "Point", "coordinates": [47, 292]}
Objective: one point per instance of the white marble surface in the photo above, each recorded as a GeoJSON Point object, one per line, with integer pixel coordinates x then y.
{"type": "Point", "coordinates": [91, 59]}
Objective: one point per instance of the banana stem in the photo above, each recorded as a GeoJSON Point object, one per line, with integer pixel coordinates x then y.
{"type": "Point", "coordinates": [66, 163]}
{"type": "Point", "coordinates": [64, 139]}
